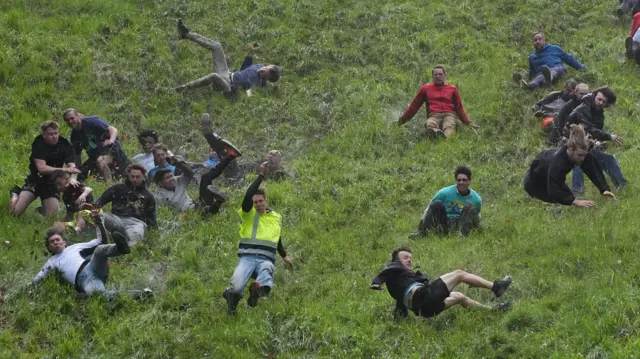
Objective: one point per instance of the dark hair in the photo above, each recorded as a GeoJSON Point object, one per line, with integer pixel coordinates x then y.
{"type": "Point", "coordinates": [441, 67]}
{"type": "Point", "coordinates": [275, 72]}
{"type": "Point", "coordinates": [49, 124]}
{"type": "Point", "coordinates": [571, 83]}
{"type": "Point", "coordinates": [394, 254]}
{"type": "Point", "coordinates": [148, 133]}
{"type": "Point", "coordinates": [608, 93]}
{"type": "Point", "coordinates": [462, 170]}
{"type": "Point", "coordinates": [58, 174]}
{"type": "Point", "coordinates": [261, 191]}
{"type": "Point", "coordinates": [136, 166]}
{"type": "Point", "coordinates": [159, 175]}
{"type": "Point", "coordinates": [52, 232]}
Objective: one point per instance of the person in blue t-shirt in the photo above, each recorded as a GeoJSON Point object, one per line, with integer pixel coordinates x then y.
{"type": "Point", "coordinates": [453, 208]}
{"type": "Point", "coordinates": [99, 140]}
{"type": "Point", "coordinates": [546, 64]}
{"type": "Point", "coordinates": [228, 82]}
{"type": "Point", "coordinates": [160, 154]}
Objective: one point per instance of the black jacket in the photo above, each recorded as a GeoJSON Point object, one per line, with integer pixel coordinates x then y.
{"type": "Point", "coordinates": [590, 117]}
{"type": "Point", "coordinates": [548, 174]}
{"type": "Point", "coordinates": [128, 200]}
{"type": "Point", "coordinates": [551, 104]}
{"type": "Point", "coordinates": [560, 122]}
{"type": "Point", "coordinates": [398, 278]}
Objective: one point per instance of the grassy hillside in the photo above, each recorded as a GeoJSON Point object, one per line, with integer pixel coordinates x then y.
{"type": "Point", "coordinates": [360, 185]}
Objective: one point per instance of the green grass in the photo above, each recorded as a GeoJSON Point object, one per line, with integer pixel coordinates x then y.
{"type": "Point", "coordinates": [360, 182]}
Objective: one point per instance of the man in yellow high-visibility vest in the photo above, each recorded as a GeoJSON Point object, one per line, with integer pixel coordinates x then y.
{"type": "Point", "coordinates": [259, 241]}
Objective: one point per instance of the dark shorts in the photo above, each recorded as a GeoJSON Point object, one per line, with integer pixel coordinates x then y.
{"type": "Point", "coordinates": [40, 188]}
{"type": "Point", "coordinates": [428, 301]}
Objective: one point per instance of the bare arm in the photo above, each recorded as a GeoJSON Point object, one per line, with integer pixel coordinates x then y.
{"type": "Point", "coordinates": [44, 169]}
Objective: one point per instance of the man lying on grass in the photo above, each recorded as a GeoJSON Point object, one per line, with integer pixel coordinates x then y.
{"type": "Point", "coordinates": [412, 290]}
{"type": "Point", "coordinates": [87, 275]}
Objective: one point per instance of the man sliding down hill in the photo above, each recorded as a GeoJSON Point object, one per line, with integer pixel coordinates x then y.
{"type": "Point", "coordinates": [248, 77]}
{"type": "Point", "coordinates": [456, 207]}
{"type": "Point", "coordinates": [560, 121]}
{"type": "Point", "coordinates": [172, 189]}
{"type": "Point", "coordinates": [548, 108]}
{"type": "Point", "coordinates": [546, 64]}
{"type": "Point", "coordinates": [545, 179]}
{"type": "Point", "coordinates": [442, 102]}
{"type": "Point", "coordinates": [259, 241]}
{"type": "Point", "coordinates": [413, 290]}
{"type": "Point", "coordinates": [86, 275]}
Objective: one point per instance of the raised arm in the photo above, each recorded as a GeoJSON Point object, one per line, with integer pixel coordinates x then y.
{"type": "Point", "coordinates": [247, 202]}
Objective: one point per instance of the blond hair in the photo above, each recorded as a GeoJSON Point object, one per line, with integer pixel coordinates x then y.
{"type": "Point", "coordinates": [578, 139]}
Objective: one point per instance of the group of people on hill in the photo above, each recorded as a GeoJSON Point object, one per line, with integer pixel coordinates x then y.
{"type": "Point", "coordinates": [53, 173]}
{"type": "Point", "coordinates": [573, 118]}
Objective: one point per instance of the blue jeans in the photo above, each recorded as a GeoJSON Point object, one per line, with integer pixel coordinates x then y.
{"type": "Point", "coordinates": [608, 163]}
{"type": "Point", "coordinates": [248, 266]}
{"type": "Point", "coordinates": [556, 73]}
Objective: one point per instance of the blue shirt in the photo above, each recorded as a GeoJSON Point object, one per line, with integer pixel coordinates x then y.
{"type": "Point", "coordinates": [551, 55]}
{"type": "Point", "coordinates": [454, 201]}
{"type": "Point", "coordinates": [155, 169]}
{"type": "Point", "coordinates": [248, 77]}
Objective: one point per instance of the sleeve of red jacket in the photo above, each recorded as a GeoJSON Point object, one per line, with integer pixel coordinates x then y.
{"type": "Point", "coordinates": [415, 105]}
{"type": "Point", "coordinates": [460, 111]}
{"type": "Point", "coordinates": [635, 25]}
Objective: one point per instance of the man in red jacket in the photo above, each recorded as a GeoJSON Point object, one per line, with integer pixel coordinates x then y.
{"type": "Point", "coordinates": [443, 103]}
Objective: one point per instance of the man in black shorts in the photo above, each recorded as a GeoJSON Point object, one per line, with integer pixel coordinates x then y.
{"type": "Point", "coordinates": [100, 141]}
{"type": "Point", "coordinates": [412, 290]}
{"type": "Point", "coordinates": [49, 152]}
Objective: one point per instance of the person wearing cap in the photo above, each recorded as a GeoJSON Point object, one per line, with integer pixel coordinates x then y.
{"type": "Point", "coordinates": [250, 75]}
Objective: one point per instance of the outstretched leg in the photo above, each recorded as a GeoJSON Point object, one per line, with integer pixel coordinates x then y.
{"type": "Point", "coordinates": [452, 279]}
{"type": "Point", "coordinates": [466, 302]}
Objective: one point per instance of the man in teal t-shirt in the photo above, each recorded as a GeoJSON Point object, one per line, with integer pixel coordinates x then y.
{"type": "Point", "coordinates": [455, 207]}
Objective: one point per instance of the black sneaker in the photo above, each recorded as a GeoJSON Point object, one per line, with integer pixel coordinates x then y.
{"type": "Point", "coordinates": [205, 123]}
{"type": "Point", "coordinates": [500, 286]}
{"type": "Point", "coordinates": [502, 307]}
{"type": "Point", "coordinates": [231, 150]}
{"type": "Point", "coordinates": [628, 45]}
{"type": "Point", "coordinates": [121, 242]}
{"type": "Point", "coordinates": [431, 133]}
{"type": "Point", "coordinates": [182, 29]}
{"type": "Point", "coordinates": [254, 294]}
{"type": "Point", "coordinates": [232, 301]}
{"type": "Point", "coordinates": [546, 72]}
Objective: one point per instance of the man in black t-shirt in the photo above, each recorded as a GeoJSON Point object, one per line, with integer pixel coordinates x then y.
{"type": "Point", "coordinates": [99, 140]}
{"type": "Point", "coordinates": [412, 290]}
{"type": "Point", "coordinates": [49, 152]}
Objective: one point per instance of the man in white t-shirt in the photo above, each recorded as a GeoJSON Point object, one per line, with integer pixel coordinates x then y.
{"type": "Point", "coordinates": [86, 275]}
{"type": "Point", "coordinates": [147, 139]}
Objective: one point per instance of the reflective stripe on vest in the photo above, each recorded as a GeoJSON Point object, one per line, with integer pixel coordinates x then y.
{"type": "Point", "coordinates": [254, 244]}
